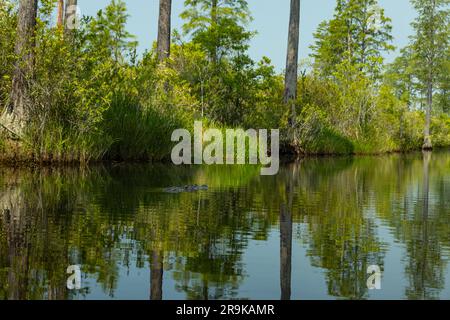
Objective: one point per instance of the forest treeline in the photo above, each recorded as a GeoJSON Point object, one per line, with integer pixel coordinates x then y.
{"type": "Point", "coordinates": [78, 90]}
{"type": "Point", "coordinates": [346, 213]}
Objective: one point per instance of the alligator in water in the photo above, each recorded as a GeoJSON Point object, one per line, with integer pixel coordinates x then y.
{"type": "Point", "coordinates": [193, 188]}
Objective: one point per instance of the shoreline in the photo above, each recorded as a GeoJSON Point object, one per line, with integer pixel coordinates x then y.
{"type": "Point", "coordinates": [284, 158]}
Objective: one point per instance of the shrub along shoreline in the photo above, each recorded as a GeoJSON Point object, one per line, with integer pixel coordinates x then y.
{"type": "Point", "coordinates": [132, 149]}
{"type": "Point", "coordinates": [90, 97]}
{"type": "Point", "coordinates": [16, 159]}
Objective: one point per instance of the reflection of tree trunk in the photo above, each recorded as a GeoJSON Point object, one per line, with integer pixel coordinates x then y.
{"type": "Point", "coordinates": [426, 184]}
{"type": "Point", "coordinates": [205, 291]}
{"type": "Point", "coordinates": [156, 275]}
{"type": "Point", "coordinates": [15, 224]}
{"type": "Point", "coordinates": [29, 235]}
{"type": "Point", "coordinates": [58, 292]}
{"type": "Point", "coordinates": [285, 251]}
{"type": "Point", "coordinates": [286, 239]}
{"type": "Point", "coordinates": [426, 196]}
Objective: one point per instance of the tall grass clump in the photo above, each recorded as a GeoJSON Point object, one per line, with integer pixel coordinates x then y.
{"type": "Point", "coordinates": [57, 143]}
{"type": "Point", "coordinates": [139, 132]}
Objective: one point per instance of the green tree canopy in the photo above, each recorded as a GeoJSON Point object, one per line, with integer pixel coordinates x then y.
{"type": "Point", "coordinates": [219, 26]}
{"type": "Point", "coordinates": [359, 32]}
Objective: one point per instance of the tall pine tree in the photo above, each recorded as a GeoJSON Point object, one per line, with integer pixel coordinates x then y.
{"type": "Point", "coordinates": [359, 32]}
{"type": "Point", "coordinates": [430, 44]}
{"type": "Point", "coordinates": [218, 25]}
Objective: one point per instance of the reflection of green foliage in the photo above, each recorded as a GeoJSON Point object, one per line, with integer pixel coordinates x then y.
{"type": "Point", "coordinates": [418, 218]}
{"type": "Point", "coordinates": [342, 239]}
{"type": "Point", "coordinates": [104, 218]}
{"type": "Point", "coordinates": [76, 228]}
{"type": "Point", "coordinates": [229, 176]}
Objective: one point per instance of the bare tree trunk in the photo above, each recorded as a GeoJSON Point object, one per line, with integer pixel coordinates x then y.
{"type": "Point", "coordinates": [15, 115]}
{"type": "Point", "coordinates": [214, 57]}
{"type": "Point", "coordinates": [60, 21]}
{"type": "Point", "coordinates": [164, 27]}
{"type": "Point", "coordinates": [427, 145]}
{"type": "Point", "coordinates": [290, 92]}
{"type": "Point", "coordinates": [70, 14]}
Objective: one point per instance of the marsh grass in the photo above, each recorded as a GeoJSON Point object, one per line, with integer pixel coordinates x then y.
{"type": "Point", "coordinates": [139, 132]}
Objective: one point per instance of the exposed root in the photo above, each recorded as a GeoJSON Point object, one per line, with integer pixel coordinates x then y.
{"type": "Point", "coordinates": [427, 146]}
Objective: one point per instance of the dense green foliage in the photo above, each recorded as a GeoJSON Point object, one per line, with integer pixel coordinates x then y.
{"type": "Point", "coordinates": [359, 33]}
{"type": "Point", "coordinates": [94, 98]}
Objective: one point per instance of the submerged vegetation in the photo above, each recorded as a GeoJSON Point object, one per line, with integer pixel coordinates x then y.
{"type": "Point", "coordinates": [85, 94]}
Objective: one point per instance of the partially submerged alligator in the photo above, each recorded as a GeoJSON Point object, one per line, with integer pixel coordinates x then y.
{"type": "Point", "coordinates": [193, 188]}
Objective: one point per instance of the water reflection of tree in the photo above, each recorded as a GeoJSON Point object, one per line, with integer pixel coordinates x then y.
{"type": "Point", "coordinates": [202, 238]}
{"type": "Point", "coordinates": [102, 218]}
{"type": "Point", "coordinates": [31, 248]}
{"type": "Point", "coordinates": [156, 275]}
{"type": "Point", "coordinates": [415, 207]}
{"type": "Point", "coordinates": [425, 266]}
{"type": "Point", "coordinates": [199, 237]}
{"type": "Point", "coordinates": [49, 218]}
{"type": "Point", "coordinates": [286, 234]}
{"type": "Point", "coordinates": [342, 234]}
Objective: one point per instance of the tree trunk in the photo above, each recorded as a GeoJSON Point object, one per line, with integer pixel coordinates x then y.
{"type": "Point", "coordinates": [15, 115]}
{"type": "Point", "coordinates": [290, 92]}
{"type": "Point", "coordinates": [427, 145]}
{"type": "Point", "coordinates": [164, 25]}
{"type": "Point", "coordinates": [60, 21]}
{"type": "Point", "coordinates": [214, 57]}
{"type": "Point", "coordinates": [70, 14]}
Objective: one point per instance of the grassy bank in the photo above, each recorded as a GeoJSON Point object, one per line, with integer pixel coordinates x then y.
{"type": "Point", "coordinates": [91, 98]}
{"type": "Point", "coordinates": [133, 133]}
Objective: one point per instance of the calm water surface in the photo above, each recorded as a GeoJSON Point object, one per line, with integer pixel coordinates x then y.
{"type": "Point", "coordinates": [310, 232]}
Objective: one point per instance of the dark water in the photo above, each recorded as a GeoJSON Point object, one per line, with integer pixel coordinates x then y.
{"type": "Point", "coordinates": [311, 232]}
